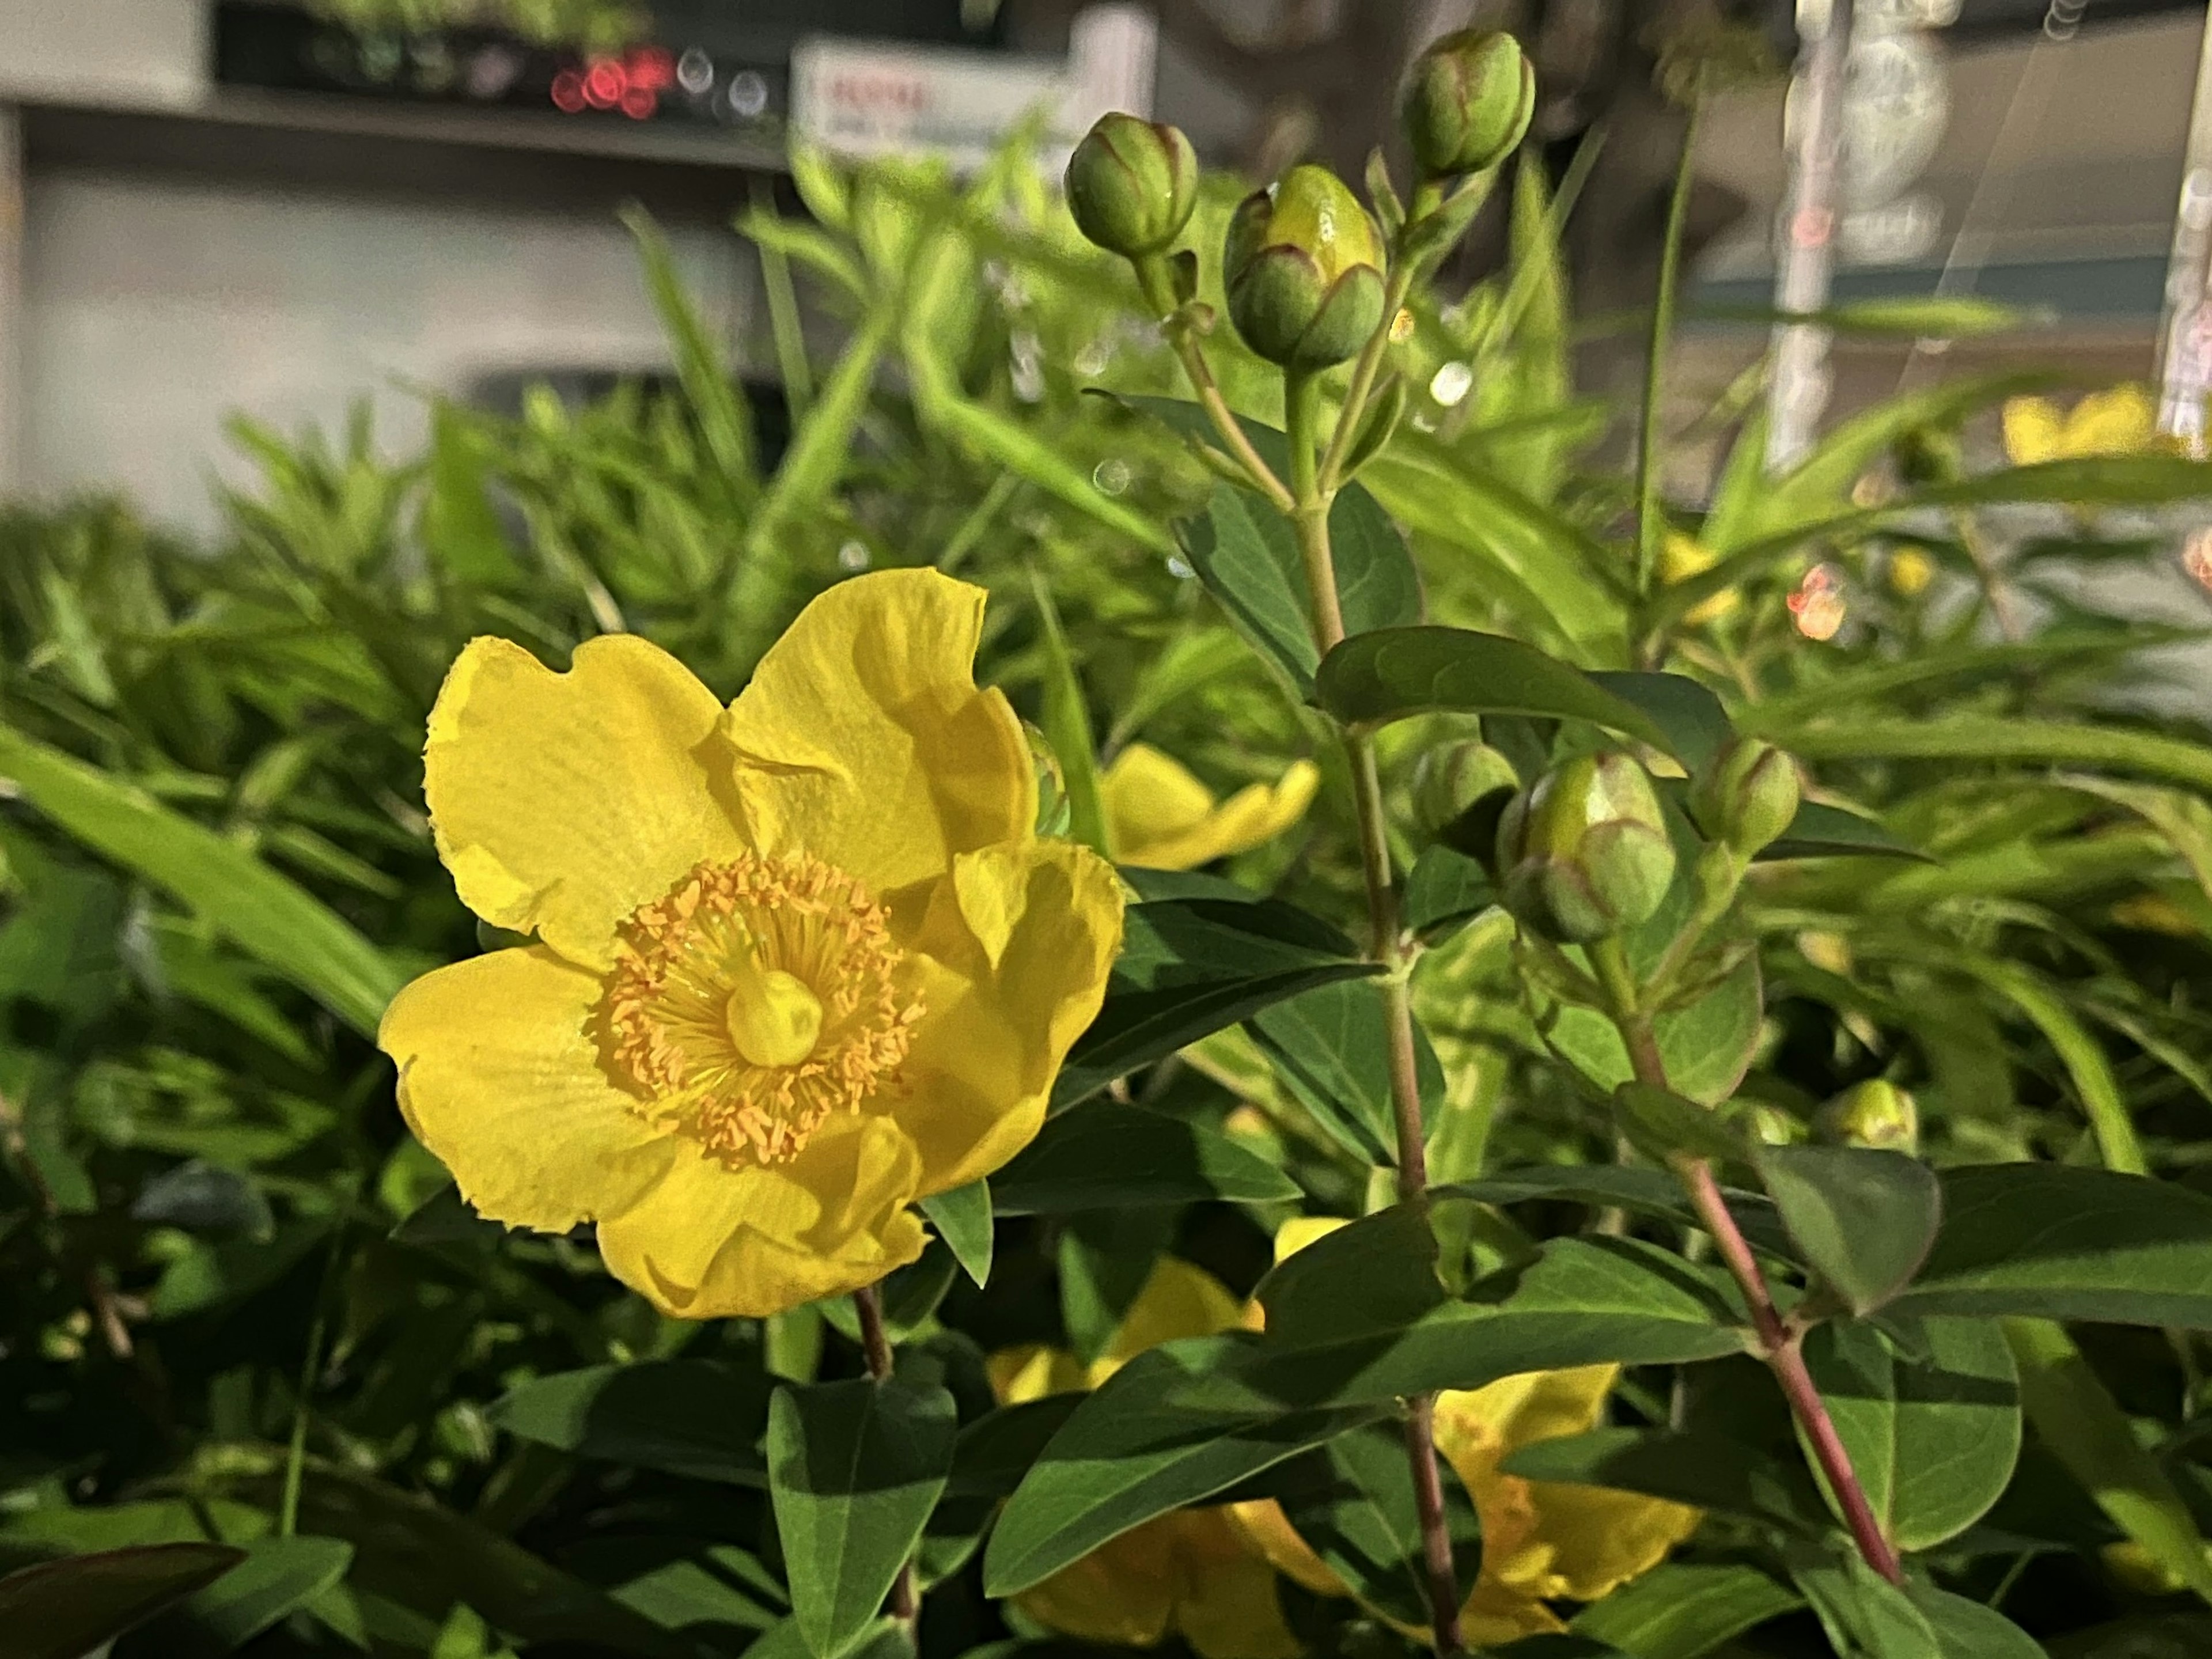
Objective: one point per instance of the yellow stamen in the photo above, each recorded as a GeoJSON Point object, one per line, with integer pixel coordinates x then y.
{"type": "Point", "coordinates": [759, 996]}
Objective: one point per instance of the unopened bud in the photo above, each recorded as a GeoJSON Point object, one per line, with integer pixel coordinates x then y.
{"type": "Point", "coordinates": [1747, 796]}
{"type": "Point", "coordinates": [1452, 777]}
{"type": "Point", "coordinates": [1929, 455]}
{"type": "Point", "coordinates": [1132, 184]}
{"type": "Point", "coordinates": [1467, 102]}
{"type": "Point", "coordinates": [1876, 1114]}
{"type": "Point", "coordinates": [1585, 853]}
{"type": "Point", "coordinates": [1304, 272]}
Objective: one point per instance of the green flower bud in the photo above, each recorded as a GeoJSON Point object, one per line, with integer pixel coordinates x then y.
{"type": "Point", "coordinates": [1132, 184]}
{"type": "Point", "coordinates": [1304, 271]}
{"type": "Point", "coordinates": [1929, 455]}
{"type": "Point", "coordinates": [1876, 1114]}
{"type": "Point", "coordinates": [1467, 102]}
{"type": "Point", "coordinates": [1452, 777]}
{"type": "Point", "coordinates": [1747, 795]}
{"type": "Point", "coordinates": [1585, 853]}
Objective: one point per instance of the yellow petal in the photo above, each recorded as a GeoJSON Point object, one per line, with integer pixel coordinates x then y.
{"type": "Point", "coordinates": [1495, 1615]}
{"type": "Point", "coordinates": [1177, 1300]}
{"type": "Point", "coordinates": [1122, 1592]}
{"type": "Point", "coordinates": [1011, 965]}
{"type": "Point", "coordinates": [1159, 817]}
{"type": "Point", "coordinates": [2120, 421]}
{"type": "Point", "coordinates": [2034, 431]}
{"type": "Point", "coordinates": [1226, 1605]}
{"type": "Point", "coordinates": [1269, 1531]}
{"type": "Point", "coordinates": [864, 740]}
{"type": "Point", "coordinates": [1030, 1370]}
{"type": "Point", "coordinates": [499, 1077]}
{"type": "Point", "coordinates": [562, 802]}
{"type": "Point", "coordinates": [1591, 1540]}
{"type": "Point", "coordinates": [707, 1242]}
{"type": "Point", "coordinates": [1301, 1231]}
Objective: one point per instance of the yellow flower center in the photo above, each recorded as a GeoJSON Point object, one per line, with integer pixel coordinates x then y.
{"type": "Point", "coordinates": [758, 997]}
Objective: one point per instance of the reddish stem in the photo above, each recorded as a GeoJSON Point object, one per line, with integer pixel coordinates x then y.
{"type": "Point", "coordinates": [876, 1344]}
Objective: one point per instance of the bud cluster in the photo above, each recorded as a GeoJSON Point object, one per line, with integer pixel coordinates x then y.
{"type": "Point", "coordinates": [1585, 854]}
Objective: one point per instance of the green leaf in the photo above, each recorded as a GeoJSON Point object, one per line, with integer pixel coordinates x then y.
{"type": "Point", "coordinates": [279, 1577]}
{"type": "Point", "coordinates": [2058, 1242]}
{"type": "Point", "coordinates": [1864, 1219]}
{"type": "Point", "coordinates": [1661, 1124]}
{"type": "Point", "coordinates": [1865, 1615]}
{"type": "Point", "coordinates": [1707, 1046]}
{"type": "Point", "coordinates": [1393, 672]}
{"type": "Point", "coordinates": [1965, 1628]}
{"type": "Point", "coordinates": [690, 1417]}
{"type": "Point", "coordinates": [1163, 1431]}
{"type": "Point", "coordinates": [1935, 1432]}
{"type": "Point", "coordinates": [1331, 1049]}
{"type": "Point", "coordinates": [1686, 1610]}
{"type": "Point", "coordinates": [1692, 716]}
{"type": "Point", "coordinates": [998, 1449]}
{"type": "Point", "coordinates": [1443, 887]}
{"type": "Point", "coordinates": [1352, 1501]}
{"type": "Point", "coordinates": [272, 920]}
{"type": "Point", "coordinates": [460, 530]}
{"type": "Point", "coordinates": [2076, 1418]}
{"type": "Point", "coordinates": [724, 421]}
{"type": "Point", "coordinates": [963, 1219]}
{"type": "Point", "coordinates": [1628, 1187]}
{"type": "Point", "coordinates": [1246, 555]}
{"type": "Point", "coordinates": [1986, 740]}
{"type": "Point", "coordinates": [1107, 1156]}
{"type": "Point", "coordinates": [67, 1609]}
{"type": "Point", "coordinates": [854, 1469]}
{"type": "Point", "coordinates": [1068, 727]}
{"type": "Point", "coordinates": [1192, 964]}
{"type": "Point", "coordinates": [1822, 831]}
{"type": "Point", "coordinates": [2102, 1103]}
{"type": "Point", "coordinates": [1698, 1467]}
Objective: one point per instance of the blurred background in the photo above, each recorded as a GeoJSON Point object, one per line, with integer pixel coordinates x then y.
{"type": "Point", "coordinates": [219, 206]}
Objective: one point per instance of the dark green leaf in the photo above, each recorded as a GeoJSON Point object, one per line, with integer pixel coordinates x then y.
{"type": "Point", "coordinates": [995, 1451]}
{"type": "Point", "coordinates": [1394, 672]}
{"type": "Point", "coordinates": [693, 1417]}
{"type": "Point", "coordinates": [1707, 1046]}
{"type": "Point", "coordinates": [1164, 1431]}
{"type": "Point", "coordinates": [1698, 1467]}
{"type": "Point", "coordinates": [1330, 1047]}
{"type": "Point", "coordinates": [1684, 1610]}
{"type": "Point", "coordinates": [1821, 831]}
{"type": "Point", "coordinates": [1628, 1187]}
{"type": "Point", "coordinates": [2064, 1243]}
{"type": "Point", "coordinates": [854, 1469]}
{"type": "Point", "coordinates": [1352, 1501]}
{"type": "Point", "coordinates": [1444, 887]}
{"type": "Point", "coordinates": [1692, 716]}
{"type": "Point", "coordinates": [1965, 1628]}
{"type": "Point", "coordinates": [66, 1609]}
{"type": "Point", "coordinates": [1191, 965]}
{"type": "Point", "coordinates": [1864, 1219]}
{"type": "Point", "coordinates": [202, 1197]}
{"type": "Point", "coordinates": [1661, 1124]}
{"type": "Point", "coordinates": [1107, 1156]}
{"type": "Point", "coordinates": [1865, 1615]}
{"type": "Point", "coordinates": [279, 1577]}
{"type": "Point", "coordinates": [963, 1219]}
{"type": "Point", "coordinates": [271, 919]}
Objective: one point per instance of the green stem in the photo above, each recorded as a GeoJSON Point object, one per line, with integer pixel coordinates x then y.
{"type": "Point", "coordinates": [311, 1365]}
{"type": "Point", "coordinates": [783, 315]}
{"type": "Point", "coordinates": [1648, 523]}
{"type": "Point", "coordinates": [1153, 277]}
{"type": "Point", "coordinates": [1364, 372]}
{"type": "Point", "coordinates": [1388, 947]}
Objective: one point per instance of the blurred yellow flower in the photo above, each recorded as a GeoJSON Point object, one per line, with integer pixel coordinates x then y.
{"type": "Point", "coordinates": [1192, 1572]}
{"type": "Point", "coordinates": [2122, 421]}
{"type": "Point", "coordinates": [1681, 558]}
{"type": "Point", "coordinates": [1158, 817]}
{"type": "Point", "coordinates": [799, 962]}
{"type": "Point", "coordinates": [1541, 1542]}
{"type": "Point", "coordinates": [1910, 573]}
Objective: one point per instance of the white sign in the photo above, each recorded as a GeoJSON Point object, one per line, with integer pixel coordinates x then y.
{"type": "Point", "coordinates": [868, 98]}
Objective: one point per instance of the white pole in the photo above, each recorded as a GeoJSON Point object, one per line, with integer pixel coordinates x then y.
{"type": "Point", "coordinates": [1799, 393]}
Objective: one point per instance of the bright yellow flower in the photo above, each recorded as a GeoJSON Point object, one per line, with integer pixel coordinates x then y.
{"type": "Point", "coordinates": [2122, 421]}
{"type": "Point", "coordinates": [1191, 1572]}
{"type": "Point", "coordinates": [1158, 817]}
{"type": "Point", "coordinates": [1541, 1542]}
{"type": "Point", "coordinates": [1681, 558]}
{"type": "Point", "coordinates": [799, 962]}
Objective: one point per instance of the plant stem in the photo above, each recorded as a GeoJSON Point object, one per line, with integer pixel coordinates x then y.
{"type": "Point", "coordinates": [311, 1365]}
{"type": "Point", "coordinates": [1386, 947]}
{"type": "Point", "coordinates": [1159, 292]}
{"type": "Point", "coordinates": [876, 1344]}
{"type": "Point", "coordinates": [1361, 385]}
{"type": "Point", "coordinates": [1780, 1346]}
{"type": "Point", "coordinates": [1655, 367]}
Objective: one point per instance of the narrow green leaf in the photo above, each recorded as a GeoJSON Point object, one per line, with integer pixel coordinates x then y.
{"type": "Point", "coordinates": [2102, 1103]}
{"type": "Point", "coordinates": [963, 1219]}
{"type": "Point", "coordinates": [823, 442]}
{"type": "Point", "coordinates": [1822, 831]}
{"type": "Point", "coordinates": [1686, 1610]}
{"type": "Point", "coordinates": [2059, 1242]}
{"type": "Point", "coordinates": [1698, 1467]}
{"type": "Point", "coordinates": [1330, 1047]}
{"type": "Point", "coordinates": [1107, 1156]}
{"type": "Point", "coordinates": [67, 1609]}
{"type": "Point", "coordinates": [724, 419]}
{"type": "Point", "coordinates": [1393, 672]}
{"type": "Point", "coordinates": [1987, 739]}
{"type": "Point", "coordinates": [1067, 728]}
{"type": "Point", "coordinates": [275, 921]}
{"type": "Point", "coordinates": [1628, 1187]}
{"type": "Point", "coordinates": [2077, 1419]}
{"type": "Point", "coordinates": [1864, 1219]}
{"type": "Point", "coordinates": [690, 1417]}
{"type": "Point", "coordinates": [854, 1469]}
